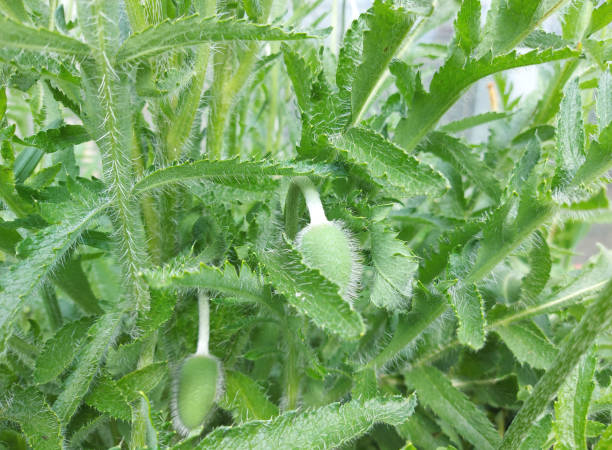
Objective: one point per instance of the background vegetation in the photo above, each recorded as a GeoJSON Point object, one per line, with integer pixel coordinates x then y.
{"type": "Point", "coordinates": [150, 151]}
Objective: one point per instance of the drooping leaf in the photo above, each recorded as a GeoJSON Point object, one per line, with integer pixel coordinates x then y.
{"type": "Point", "coordinates": [436, 392]}
{"type": "Point", "coordinates": [245, 285]}
{"type": "Point", "coordinates": [193, 30]}
{"type": "Point", "coordinates": [230, 172]}
{"type": "Point", "coordinates": [328, 426]}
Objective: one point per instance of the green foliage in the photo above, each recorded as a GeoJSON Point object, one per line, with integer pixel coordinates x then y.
{"type": "Point", "coordinates": [154, 153]}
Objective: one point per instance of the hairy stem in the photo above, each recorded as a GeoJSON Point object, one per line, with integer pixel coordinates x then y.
{"type": "Point", "coordinates": [594, 322]}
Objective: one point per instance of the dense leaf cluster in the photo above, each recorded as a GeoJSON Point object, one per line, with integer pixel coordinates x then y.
{"type": "Point", "coordinates": [149, 152]}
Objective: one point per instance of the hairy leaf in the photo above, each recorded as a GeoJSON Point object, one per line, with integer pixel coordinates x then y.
{"type": "Point", "coordinates": [452, 406]}
{"type": "Point", "coordinates": [328, 426]}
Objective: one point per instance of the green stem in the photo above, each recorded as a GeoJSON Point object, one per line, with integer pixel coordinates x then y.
{"type": "Point", "coordinates": [204, 324]}
{"type": "Point", "coordinates": [595, 321]}
{"type": "Point", "coordinates": [140, 413]}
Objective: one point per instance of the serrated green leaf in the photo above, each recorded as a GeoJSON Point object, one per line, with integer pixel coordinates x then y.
{"type": "Point", "coordinates": [539, 272]}
{"type": "Point", "coordinates": [325, 427]}
{"type": "Point", "coordinates": [426, 307]}
{"type": "Point", "coordinates": [576, 19]}
{"type": "Point", "coordinates": [452, 406]}
{"type": "Point", "coordinates": [245, 285]}
{"type": "Point", "coordinates": [510, 21]}
{"type": "Point", "coordinates": [386, 29]}
{"type": "Point", "coordinates": [107, 398]}
{"type": "Point", "coordinates": [47, 247]}
{"type": "Point", "coordinates": [114, 396]}
{"type": "Point", "coordinates": [300, 76]}
{"type": "Point", "coordinates": [389, 164]}
{"type": "Point", "coordinates": [468, 304]}
{"type": "Point", "coordinates": [312, 294]}
{"type": "Point", "coordinates": [59, 351]}
{"type": "Point", "coordinates": [194, 30]}
{"type": "Point", "coordinates": [395, 266]}
{"type": "Point", "coordinates": [38, 422]}
{"type": "Point", "coordinates": [102, 334]}
{"type": "Point", "coordinates": [230, 172]}
{"type": "Point", "coordinates": [460, 156]}
{"type": "Point", "coordinates": [604, 100]}
{"type": "Point", "coordinates": [22, 37]}
{"type": "Point", "coordinates": [452, 79]}
{"type": "Point", "coordinates": [570, 136]}
{"type": "Point", "coordinates": [572, 405]}
{"type": "Point", "coordinates": [526, 341]}
{"type": "Point", "coordinates": [473, 121]}
{"type": "Point", "coordinates": [245, 398]}
{"type": "Point", "coordinates": [467, 25]}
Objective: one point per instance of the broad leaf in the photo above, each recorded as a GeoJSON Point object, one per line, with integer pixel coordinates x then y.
{"type": "Point", "coordinates": [245, 398]}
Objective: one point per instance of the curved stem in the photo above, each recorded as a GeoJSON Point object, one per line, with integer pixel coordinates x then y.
{"type": "Point", "coordinates": [204, 328]}
{"type": "Point", "coordinates": [313, 201]}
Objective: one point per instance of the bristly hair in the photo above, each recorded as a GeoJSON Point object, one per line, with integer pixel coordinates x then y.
{"type": "Point", "coordinates": [176, 420]}
{"type": "Point", "coordinates": [354, 284]}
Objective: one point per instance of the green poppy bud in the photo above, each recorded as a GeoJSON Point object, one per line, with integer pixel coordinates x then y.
{"type": "Point", "coordinates": [328, 246]}
{"type": "Point", "coordinates": [197, 389]}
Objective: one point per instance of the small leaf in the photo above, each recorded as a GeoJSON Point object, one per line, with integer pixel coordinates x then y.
{"type": "Point", "coordinates": [604, 100]}
{"type": "Point", "coordinates": [395, 266]}
{"type": "Point", "coordinates": [452, 406]}
{"type": "Point", "coordinates": [468, 305]}
{"type": "Point", "coordinates": [329, 426]}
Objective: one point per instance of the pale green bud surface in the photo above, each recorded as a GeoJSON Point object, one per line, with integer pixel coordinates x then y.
{"type": "Point", "coordinates": [198, 388]}
{"type": "Point", "coordinates": [330, 249]}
